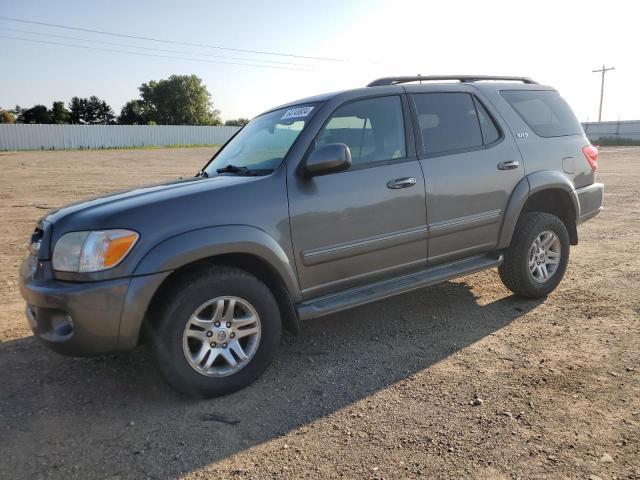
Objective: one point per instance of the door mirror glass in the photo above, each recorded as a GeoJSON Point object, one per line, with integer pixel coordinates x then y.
{"type": "Point", "coordinates": [330, 158]}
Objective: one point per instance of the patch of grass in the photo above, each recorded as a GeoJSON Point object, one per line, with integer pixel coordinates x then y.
{"type": "Point", "coordinates": [193, 145]}
{"type": "Point", "coordinates": [155, 147]}
{"type": "Point", "coordinates": [142, 147]}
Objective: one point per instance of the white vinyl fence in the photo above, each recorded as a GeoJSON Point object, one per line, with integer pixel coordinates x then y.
{"type": "Point", "coordinates": [624, 129]}
{"type": "Point", "coordinates": [60, 137]}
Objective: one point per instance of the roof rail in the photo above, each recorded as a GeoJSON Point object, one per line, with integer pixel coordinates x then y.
{"type": "Point", "coordinates": [461, 78]}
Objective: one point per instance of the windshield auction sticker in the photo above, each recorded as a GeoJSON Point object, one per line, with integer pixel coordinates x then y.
{"type": "Point", "coordinates": [297, 112]}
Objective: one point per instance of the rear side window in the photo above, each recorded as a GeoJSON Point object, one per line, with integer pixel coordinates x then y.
{"type": "Point", "coordinates": [448, 122]}
{"type": "Point", "coordinates": [545, 111]}
{"type": "Point", "coordinates": [373, 129]}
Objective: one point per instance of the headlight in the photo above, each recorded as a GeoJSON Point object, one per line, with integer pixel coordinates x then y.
{"type": "Point", "coordinates": [92, 251]}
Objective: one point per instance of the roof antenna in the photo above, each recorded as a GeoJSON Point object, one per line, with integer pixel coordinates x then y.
{"type": "Point", "coordinates": [419, 75]}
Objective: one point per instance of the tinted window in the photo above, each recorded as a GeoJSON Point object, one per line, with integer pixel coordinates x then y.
{"type": "Point", "coordinates": [373, 129]}
{"type": "Point", "coordinates": [448, 122]}
{"type": "Point", "coordinates": [490, 132]}
{"type": "Point", "coordinates": [545, 111]}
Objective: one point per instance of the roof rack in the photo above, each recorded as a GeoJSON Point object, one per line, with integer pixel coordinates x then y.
{"type": "Point", "coordinates": [461, 78]}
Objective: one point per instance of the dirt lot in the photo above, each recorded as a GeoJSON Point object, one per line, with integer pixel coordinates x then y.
{"type": "Point", "coordinates": [384, 391]}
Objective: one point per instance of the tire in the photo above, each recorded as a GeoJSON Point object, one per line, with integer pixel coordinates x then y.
{"type": "Point", "coordinates": [178, 341]}
{"type": "Point", "coordinates": [520, 258]}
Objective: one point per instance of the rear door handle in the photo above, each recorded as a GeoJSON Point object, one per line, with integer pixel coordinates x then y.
{"type": "Point", "coordinates": [402, 183]}
{"type": "Point", "coordinates": [510, 165]}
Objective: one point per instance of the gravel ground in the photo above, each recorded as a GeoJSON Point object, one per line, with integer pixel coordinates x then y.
{"type": "Point", "coordinates": [461, 380]}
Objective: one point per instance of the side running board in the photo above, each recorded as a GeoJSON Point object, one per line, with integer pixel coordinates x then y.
{"type": "Point", "coordinates": [354, 297]}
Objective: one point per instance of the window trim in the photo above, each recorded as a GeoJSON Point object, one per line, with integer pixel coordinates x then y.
{"type": "Point", "coordinates": [410, 154]}
{"type": "Point", "coordinates": [492, 118]}
{"type": "Point", "coordinates": [418, 132]}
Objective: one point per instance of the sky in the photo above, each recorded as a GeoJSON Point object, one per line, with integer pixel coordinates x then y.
{"type": "Point", "coordinates": [557, 43]}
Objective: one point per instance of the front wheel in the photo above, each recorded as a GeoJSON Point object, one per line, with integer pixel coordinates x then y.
{"type": "Point", "coordinates": [536, 260]}
{"type": "Point", "coordinates": [216, 332]}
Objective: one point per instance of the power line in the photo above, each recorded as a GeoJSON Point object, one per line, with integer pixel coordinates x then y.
{"type": "Point", "coordinates": [188, 44]}
{"type": "Point", "coordinates": [182, 52]}
{"type": "Point", "coordinates": [153, 55]}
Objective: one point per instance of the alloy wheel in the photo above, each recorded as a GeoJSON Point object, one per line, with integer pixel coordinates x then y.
{"type": "Point", "coordinates": [221, 336]}
{"type": "Point", "coordinates": [544, 256]}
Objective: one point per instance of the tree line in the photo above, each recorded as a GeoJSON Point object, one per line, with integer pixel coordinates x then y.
{"type": "Point", "coordinates": [177, 100]}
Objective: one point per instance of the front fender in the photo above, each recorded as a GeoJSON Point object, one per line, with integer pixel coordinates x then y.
{"type": "Point", "coordinates": [189, 247]}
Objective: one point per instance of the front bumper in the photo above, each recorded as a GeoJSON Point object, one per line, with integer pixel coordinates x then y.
{"type": "Point", "coordinates": [85, 318]}
{"type": "Point", "coordinates": [72, 318]}
{"type": "Point", "coordinates": [590, 199]}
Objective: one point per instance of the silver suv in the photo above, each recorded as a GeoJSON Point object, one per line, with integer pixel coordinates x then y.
{"type": "Point", "coordinates": [315, 207]}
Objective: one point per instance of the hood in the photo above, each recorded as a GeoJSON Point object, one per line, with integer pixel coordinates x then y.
{"type": "Point", "coordinates": [159, 213]}
{"type": "Point", "coordinates": [155, 210]}
{"type": "Point", "coordinates": [143, 195]}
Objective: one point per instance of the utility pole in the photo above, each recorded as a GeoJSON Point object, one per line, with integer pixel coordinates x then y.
{"type": "Point", "coordinates": [603, 70]}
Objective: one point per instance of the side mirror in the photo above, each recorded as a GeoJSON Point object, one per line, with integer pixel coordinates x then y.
{"type": "Point", "coordinates": [334, 157]}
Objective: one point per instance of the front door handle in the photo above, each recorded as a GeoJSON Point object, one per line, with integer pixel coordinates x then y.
{"type": "Point", "coordinates": [510, 165]}
{"type": "Point", "coordinates": [402, 182]}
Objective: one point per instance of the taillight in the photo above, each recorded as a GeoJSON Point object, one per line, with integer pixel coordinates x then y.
{"type": "Point", "coordinates": [591, 154]}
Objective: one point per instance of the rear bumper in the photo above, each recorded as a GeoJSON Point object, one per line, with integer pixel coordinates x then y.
{"type": "Point", "coordinates": [590, 199]}
{"type": "Point", "coordinates": [85, 318]}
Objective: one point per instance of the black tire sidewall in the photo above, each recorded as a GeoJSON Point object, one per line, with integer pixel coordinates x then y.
{"type": "Point", "coordinates": [183, 299]}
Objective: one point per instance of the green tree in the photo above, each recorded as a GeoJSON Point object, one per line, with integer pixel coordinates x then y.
{"type": "Point", "coordinates": [99, 112]}
{"type": "Point", "coordinates": [132, 113]}
{"type": "Point", "coordinates": [90, 111]}
{"type": "Point", "coordinates": [59, 113]}
{"type": "Point", "coordinates": [35, 114]}
{"type": "Point", "coordinates": [239, 122]}
{"type": "Point", "coordinates": [77, 109]}
{"type": "Point", "coordinates": [17, 111]}
{"type": "Point", "coordinates": [178, 100]}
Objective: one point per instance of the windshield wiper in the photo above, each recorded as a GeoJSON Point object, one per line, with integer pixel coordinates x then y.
{"type": "Point", "coordinates": [202, 173]}
{"type": "Point", "coordinates": [234, 169]}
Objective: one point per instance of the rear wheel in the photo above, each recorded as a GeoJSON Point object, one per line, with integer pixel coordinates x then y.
{"type": "Point", "coordinates": [216, 332]}
{"type": "Point", "coordinates": [536, 260]}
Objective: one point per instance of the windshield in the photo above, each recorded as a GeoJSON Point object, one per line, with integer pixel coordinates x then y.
{"type": "Point", "coordinates": [262, 144]}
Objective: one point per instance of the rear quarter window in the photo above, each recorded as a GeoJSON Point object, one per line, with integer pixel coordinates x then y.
{"type": "Point", "coordinates": [545, 111]}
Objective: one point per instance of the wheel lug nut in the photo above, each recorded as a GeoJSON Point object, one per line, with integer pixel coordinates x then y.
{"type": "Point", "coordinates": [224, 345]}
{"type": "Point", "coordinates": [232, 335]}
{"type": "Point", "coordinates": [209, 334]}
{"type": "Point", "coordinates": [228, 324]}
{"type": "Point", "coordinates": [213, 344]}
{"type": "Point", "coordinates": [216, 324]}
